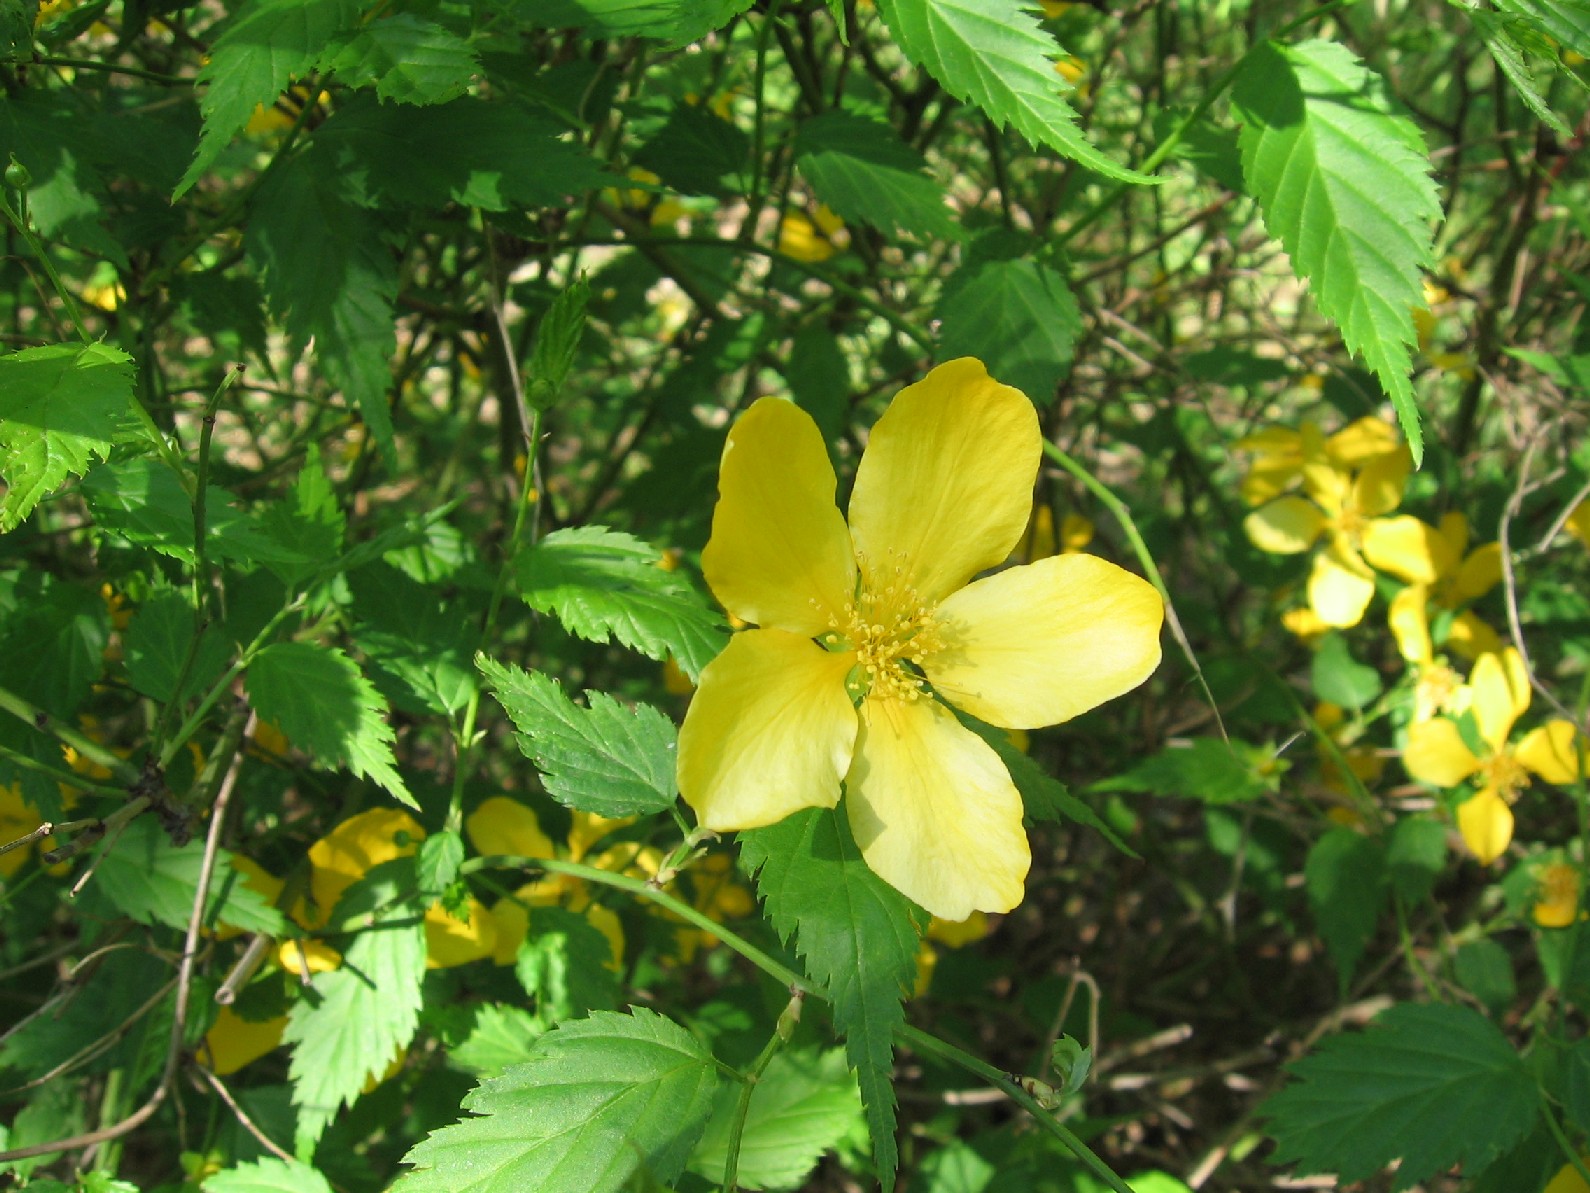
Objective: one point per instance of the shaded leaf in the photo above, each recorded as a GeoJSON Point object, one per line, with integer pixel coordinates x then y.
{"type": "Point", "coordinates": [867, 174]}
{"type": "Point", "coordinates": [1206, 768]}
{"type": "Point", "coordinates": [267, 1175]}
{"type": "Point", "coordinates": [158, 640]}
{"type": "Point", "coordinates": [145, 502]}
{"type": "Point", "coordinates": [1017, 316]}
{"type": "Point", "coordinates": [1345, 876]}
{"type": "Point", "coordinates": [406, 58]}
{"type": "Point", "coordinates": [697, 152]}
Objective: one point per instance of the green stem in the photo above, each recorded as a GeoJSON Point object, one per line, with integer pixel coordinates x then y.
{"type": "Point", "coordinates": [742, 1107]}
{"type": "Point", "coordinates": [67, 735]}
{"type": "Point", "coordinates": [1562, 1139]}
{"type": "Point", "coordinates": [19, 221]}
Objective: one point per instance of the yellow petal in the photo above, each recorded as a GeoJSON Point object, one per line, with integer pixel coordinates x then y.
{"type": "Point", "coordinates": [1076, 532]}
{"type": "Point", "coordinates": [945, 485]}
{"type": "Point", "coordinates": [1552, 751]}
{"type": "Point", "coordinates": [1265, 481]}
{"type": "Point", "coordinates": [1567, 1179]}
{"type": "Point", "coordinates": [234, 1041]}
{"type": "Point", "coordinates": [770, 731]}
{"type": "Point", "coordinates": [1377, 489]}
{"type": "Point", "coordinates": [956, 933]}
{"type": "Point", "coordinates": [934, 810]}
{"type": "Point", "coordinates": [1455, 529]}
{"type": "Point", "coordinates": [1558, 901]}
{"type": "Point", "coordinates": [1471, 637]}
{"type": "Point", "coordinates": [1037, 645]}
{"type": "Point", "coordinates": [799, 238]}
{"type": "Point", "coordinates": [1409, 625]}
{"type": "Point", "coordinates": [1486, 823]}
{"type": "Point", "coordinates": [299, 957]}
{"type": "Point", "coordinates": [1578, 522]}
{"type": "Point", "coordinates": [606, 921]}
{"type": "Point", "coordinates": [779, 555]}
{"type": "Point", "coordinates": [1339, 588]}
{"type": "Point", "coordinates": [1361, 441]}
{"type": "Point", "coordinates": [1409, 548]}
{"type": "Point", "coordinates": [1287, 526]}
{"type": "Point", "coordinates": [505, 827]}
{"type": "Point", "coordinates": [1480, 571]}
{"type": "Point", "coordinates": [1436, 754]}
{"type": "Point", "coordinates": [587, 830]}
{"type": "Point", "coordinates": [1501, 694]}
{"type": "Point", "coordinates": [353, 848]}
{"type": "Point", "coordinates": [450, 941]}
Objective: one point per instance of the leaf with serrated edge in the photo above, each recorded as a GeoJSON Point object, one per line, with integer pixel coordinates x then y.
{"type": "Point", "coordinates": [1432, 1085]}
{"type": "Point", "coordinates": [609, 759]}
{"type": "Point", "coordinates": [267, 1176]}
{"type": "Point", "coordinates": [995, 54]}
{"type": "Point", "coordinates": [322, 704]}
{"type": "Point", "coordinates": [858, 937]}
{"type": "Point", "coordinates": [1018, 317]}
{"type": "Point", "coordinates": [59, 409]}
{"type": "Point", "coordinates": [1343, 181]}
{"type": "Point", "coordinates": [409, 59]}
{"type": "Point", "coordinates": [867, 174]}
{"type": "Point", "coordinates": [600, 1099]}
{"type": "Point", "coordinates": [600, 582]}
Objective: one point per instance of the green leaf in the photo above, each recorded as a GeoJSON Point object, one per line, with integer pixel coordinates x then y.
{"type": "Point", "coordinates": [1518, 46]}
{"type": "Point", "coordinates": [1415, 856]}
{"type": "Point", "coordinates": [329, 275]}
{"type": "Point", "coordinates": [564, 964]}
{"type": "Point", "coordinates": [267, 44]}
{"type": "Point", "coordinates": [268, 1176]}
{"type": "Point", "coordinates": [501, 1036]}
{"type": "Point", "coordinates": [678, 22]}
{"type": "Point", "coordinates": [601, 582]}
{"type": "Point", "coordinates": [158, 639]}
{"type": "Point", "coordinates": [1484, 969]}
{"type": "Point", "coordinates": [1564, 21]}
{"type": "Point", "coordinates": [307, 525]}
{"type": "Point", "coordinates": [406, 58]}
{"type": "Point", "coordinates": [1431, 1085]}
{"type": "Point", "coordinates": [858, 938]}
{"type": "Point", "coordinates": [319, 700]}
{"type": "Point", "coordinates": [1206, 768]}
{"type": "Point", "coordinates": [1017, 316]}
{"type": "Point", "coordinates": [67, 198]}
{"type": "Point", "coordinates": [52, 646]}
{"type": "Point", "coordinates": [146, 503]}
{"type": "Point", "coordinates": [1343, 180]}
{"type": "Point", "coordinates": [557, 341]}
{"type": "Point", "coordinates": [360, 1017]}
{"type": "Point", "coordinates": [440, 856]}
{"type": "Point", "coordinates": [148, 878]}
{"type": "Point", "coordinates": [418, 644]}
{"type": "Point", "coordinates": [609, 758]}
{"type": "Point", "coordinates": [867, 174]}
{"type": "Point", "coordinates": [697, 152]}
{"type": "Point", "coordinates": [1340, 678]}
{"type": "Point", "coordinates": [995, 54]}
{"type": "Point", "coordinates": [802, 1106]}
{"type": "Point", "coordinates": [1345, 876]}
{"type": "Point", "coordinates": [60, 406]}
{"type": "Point", "coordinates": [92, 1008]}
{"type": "Point", "coordinates": [600, 1100]}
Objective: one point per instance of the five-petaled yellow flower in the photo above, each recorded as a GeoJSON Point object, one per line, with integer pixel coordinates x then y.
{"type": "Point", "coordinates": [865, 631]}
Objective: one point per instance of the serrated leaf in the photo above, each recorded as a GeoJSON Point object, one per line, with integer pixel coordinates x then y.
{"type": "Point", "coordinates": [307, 524]}
{"type": "Point", "coordinates": [803, 1105]}
{"type": "Point", "coordinates": [145, 502]}
{"type": "Point", "coordinates": [52, 645]}
{"type": "Point", "coordinates": [146, 877]}
{"type": "Point", "coordinates": [564, 964]}
{"type": "Point", "coordinates": [266, 45]}
{"type": "Point", "coordinates": [329, 275]}
{"type": "Point", "coordinates": [500, 1037]}
{"type": "Point", "coordinates": [268, 1176]}
{"type": "Point", "coordinates": [440, 856]}
{"type": "Point", "coordinates": [609, 758]}
{"type": "Point", "coordinates": [1431, 1085]}
{"type": "Point", "coordinates": [600, 1100]}
{"type": "Point", "coordinates": [600, 583]}
{"type": "Point", "coordinates": [60, 406]}
{"type": "Point", "coordinates": [995, 54]}
{"type": "Point", "coordinates": [1415, 856]}
{"type": "Point", "coordinates": [321, 702]}
{"type": "Point", "coordinates": [1343, 180]}
{"type": "Point", "coordinates": [675, 21]}
{"type": "Point", "coordinates": [1485, 970]}
{"type": "Point", "coordinates": [1564, 21]}
{"type": "Point", "coordinates": [158, 640]}
{"type": "Point", "coordinates": [1017, 316]}
{"type": "Point", "coordinates": [1206, 768]}
{"type": "Point", "coordinates": [1345, 876]}
{"type": "Point", "coordinates": [406, 58]}
{"type": "Point", "coordinates": [1509, 39]}
{"type": "Point", "coordinates": [67, 198]}
{"type": "Point", "coordinates": [697, 152]}
{"type": "Point", "coordinates": [361, 1017]}
{"type": "Point", "coordinates": [858, 938]}
{"type": "Point", "coordinates": [867, 174]}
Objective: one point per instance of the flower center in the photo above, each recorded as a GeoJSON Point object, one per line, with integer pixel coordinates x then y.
{"type": "Point", "coordinates": [1436, 690]}
{"type": "Point", "coordinates": [1504, 774]}
{"type": "Point", "coordinates": [892, 631]}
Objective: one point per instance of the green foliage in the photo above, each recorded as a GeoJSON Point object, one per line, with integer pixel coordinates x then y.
{"type": "Point", "coordinates": [406, 58]}
{"type": "Point", "coordinates": [608, 759]}
{"type": "Point", "coordinates": [1339, 678]}
{"type": "Point", "coordinates": [268, 1176]}
{"type": "Point", "coordinates": [1206, 768]}
{"type": "Point", "coordinates": [864, 171]}
{"type": "Point", "coordinates": [564, 965]}
{"type": "Point", "coordinates": [1343, 180]}
{"type": "Point", "coordinates": [857, 936]}
{"type": "Point", "coordinates": [1432, 1086]}
{"type": "Point", "coordinates": [599, 1100]}
{"type": "Point", "coordinates": [1345, 877]}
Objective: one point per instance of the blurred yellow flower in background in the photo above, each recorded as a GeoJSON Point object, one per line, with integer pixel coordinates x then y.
{"type": "Point", "coordinates": [1557, 901]}
{"type": "Point", "coordinates": [812, 238]}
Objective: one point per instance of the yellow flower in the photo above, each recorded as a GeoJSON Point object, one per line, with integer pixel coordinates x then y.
{"type": "Point", "coordinates": [815, 238]}
{"type": "Point", "coordinates": [1558, 903]}
{"type": "Point", "coordinates": [1437, 754]}
{"type": "Point", "coordinates": [1568, 1179]}
{"type": "Point", "coordinates": [1440, 570]}
{"type": "Point", "coordinates": [18, 818]}
{"type": "Point", "coordinates": [1349, 481]}
{"type": "Point", "coordinates": [234, 1041]}
{"type": "Point", "coordinates": [1039, 541]}
{"type": "Point", "coordinates": [1578, 523]}
{"type": "Point", "coordinates": [856, 622]}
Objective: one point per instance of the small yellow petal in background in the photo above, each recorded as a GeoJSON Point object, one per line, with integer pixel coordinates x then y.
{"type": "Point", "coordinates": [1557, 903]}
{"type": "Point", "coordinates": [1040, 644]}
{"type": "Point", "coordinates": [1552, 752]}
{"type": "Point", "coordinates": [234, 1041]}
{"type": "Point", "coordinates": [956, 933]}
{"type": "Point", "coordinates": [1486, 823]}
{"type": "Point", "coordinates": [1409, 548]}
{"type": "Point", "coordinates": [944, 488]}
{"type": "Point", "coordinates": [587, 830]}
{"type": "Point", "coordinates": [934, 810]}
{"type": "Point", "coordinates": [1377, 489]}
{"type": "Point", "coordinates": [299, 957]}
{"type": "Point", "coordinates": [779, 555]}
{"type": "Point", "coordinates": [1362, 440]}
{"type": "Point", "coordinates": [1305, 623]}
{"type": "Point", "coordinates": [1286, 526]}
{"type": "Point", "coordinates": [1578, 523]}
{"type": "Point", "coordinates": [799, 238]}
{"type": "Point", "coordinates": [353, 848]}
{"type": "Point", "coordinates": [1455, 529]}
{"type": "Point", "coordinates": [1409, 624]}
{"type": "Point", "coordinates": [1436, 754]}
{"type": "Point", "coordinates": [1470, 637]}
{"type": "Point", "coordinates": [450, 941]}
{"type": "Point", "coordinates": [1339, 588]}
{"type": "Point", "coordinates": [1501, 694]}
{"type": "Point", "coordinates": [1076, 532]}
{"type": "Point", "coordinates": [770, 731]}
{"type": "Point", "coordinates": [504, 827]}
{"type": "Point", "coordinates": [1567, 1179]}
{"type": "Point", "coordinates": [18, 818]}
{"type": "Point", "coordinates": [1480, 571]}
